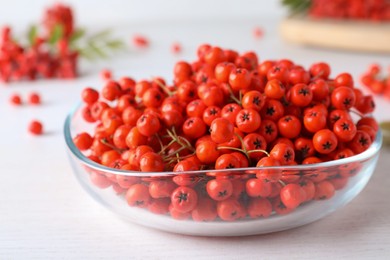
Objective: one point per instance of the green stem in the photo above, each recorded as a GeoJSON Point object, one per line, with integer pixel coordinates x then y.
{"type": "Point", "coordinates": [177, 158]}
{"type": "Point", "coordinates": [241, 141]}
{"type": "Point", "coordinates": [165, 147]}
{"type": "Point", "coordinates": [258, 150]}
{"type": "Point", "coordinates": [282, 182]}
{"type": "Point", "coordinates": [160, 142]}
{"type": "Point", "coordinates": [235, 149]}
{"type": "Point", "coordinates": [176, 152]}
{"type": "Point", "coordinates": [179, 139]}
{"type": "Point", "coordinates": [231, 148]}
{"type": "Point", "coordinates": [233, 97]}
{"type": "Point", "coordinates": [164, 88]}
{"type": "Point", "coordinates": [113, 147]}
{"type": "Point", "coordinates": [356, 113]}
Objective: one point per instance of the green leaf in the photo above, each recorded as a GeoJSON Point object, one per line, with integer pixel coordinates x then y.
{"type": "Point", "coordinates": [297, 6]}
{"type": "Point", "coordinates": [32, 34]}
{"type": "Point", "coordinates": [96, 50]}
{"type": "Point", "coordinates": [100, 35]}
{"type": "Point", "coordinates": [115, 44]}
{"type": "Point", "coordinates": [98, 45]}
{"type": "Point", "coordinates": [76, 35]}
{"type": "Point", "coordinates": [86, 53]}
{"type": "Point", "coordinates": [56, 34]}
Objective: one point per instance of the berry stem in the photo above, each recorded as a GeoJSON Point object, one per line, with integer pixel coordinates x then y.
{"type": "Point", "coordinates": [231, 148]}
{"type": "Point", "coordinates": [356, 113]}
{"type": "Point", "coordinates": [164, 88]}
{"type": "Point", "coordinates": [179, 140]}
{"type": "Point", "coordinates": [161, 143]}
{"type": "Point", "coordinates": [258, 150]}
{"type": "Point", "coordinates": [163, 148]}
{"type": "Point", "coordinates": [113, 147]}
{"type": "Point", "coordinates": [233, 97]}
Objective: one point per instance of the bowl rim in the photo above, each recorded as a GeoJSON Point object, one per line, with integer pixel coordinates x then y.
{"type": "Point", "coordinates": [370, 152]}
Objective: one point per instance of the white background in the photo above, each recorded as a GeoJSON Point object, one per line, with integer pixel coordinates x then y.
{"type": "Point", "coordinates": [45, 214]}
{"type": "Point", "coordinates": [94, 11]}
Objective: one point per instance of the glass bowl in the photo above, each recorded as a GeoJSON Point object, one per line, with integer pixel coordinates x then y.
{"type": "Point", "coordinates": [109, 187]}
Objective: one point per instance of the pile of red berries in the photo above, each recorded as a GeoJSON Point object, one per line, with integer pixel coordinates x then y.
{"type": "Point", "coordinates": [377, 10]}
{"type": "Point", "coordinates": [226, 111]}
{"type": "Point", "coordinates": [373, 80]}
{"type": "Point", "coordinates": [47, 56]}
{"type": "Point", "coordinates": [59, 14]}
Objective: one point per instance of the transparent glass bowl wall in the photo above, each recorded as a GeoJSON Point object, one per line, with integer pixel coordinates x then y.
{"type": "Point", "coordinates": [357, 169]}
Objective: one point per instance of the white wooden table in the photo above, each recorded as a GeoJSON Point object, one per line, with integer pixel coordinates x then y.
{"type": "Point", "coordinates": [45, 214]}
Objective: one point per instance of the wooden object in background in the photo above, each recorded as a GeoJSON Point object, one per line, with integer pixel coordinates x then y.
{"type": "Point", "coordinates": [347, 35]}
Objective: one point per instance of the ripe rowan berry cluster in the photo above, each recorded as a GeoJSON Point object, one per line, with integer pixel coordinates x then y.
{"type": "Point", "coordinates": [343, 9]}
{"type": "Point", "coordinates": [351, 9]}
{"type": "Point", "coordinates": [47, 56]}
{"type": "Point", "coordinates": [226, 111]}
{"type": "Point", "coordinates": [53, 48]}
{"type": "Point", "coordinates": [373, 80]}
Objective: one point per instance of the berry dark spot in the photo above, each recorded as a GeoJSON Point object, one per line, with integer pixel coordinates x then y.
{"type": "Point", "coordinates": [256, 101]}
{"type": "Point", "coordinates": [222, 193]}
{"type": "Point", "coordinates": [190, 122]}
{"type": "Point", "coordinates": [139, 202]}
{"type": "Point", "coordinates": [347, 102]}
{"type": "Point", "coordinates": [281, 205]}
{"type": "Point", "coordinates": [257, 144]}
{"type": "Point", "coordinates": [363, 141]}
{"type": "Point", "coordinates": [116, 165]}
{"type": "Point", "coordinates": [182, 197]}
{"type": "Point", "coordinates": [336, 176]}
{"type": "Point", "coordinates": [213, 112]}
{"type": "Point", "coordinates": [335, 118]}
{"type": "Point", "coordinates": [229, 166]}
{"type": "Point", "coordinates": [304, 151]}
{"type": "Point", "coordinates": [345, 126]}
{"type": "Point", "coordinates": [353, 171]}
{"type": "Point", "coordinates": [288, 156]}
{"type": "Point", "coordinates": [327, 145]}
{"type": "Point", "coordinates": [303, 183]}
{"type": "Point", "coordinates": [302, 173]}
{"type": "Point", "coordinates": [245, 117]}
{"type": "Point", "coordinates": [204, 79]}
{"type": "Point", "coordinates": [270, 111]}
{"type": "Point", "coordinates": [304, 91]}
{"type": "Point", "coordinates": [313, 114]}
{"type": "Point", "coordinates": [269, 129]}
